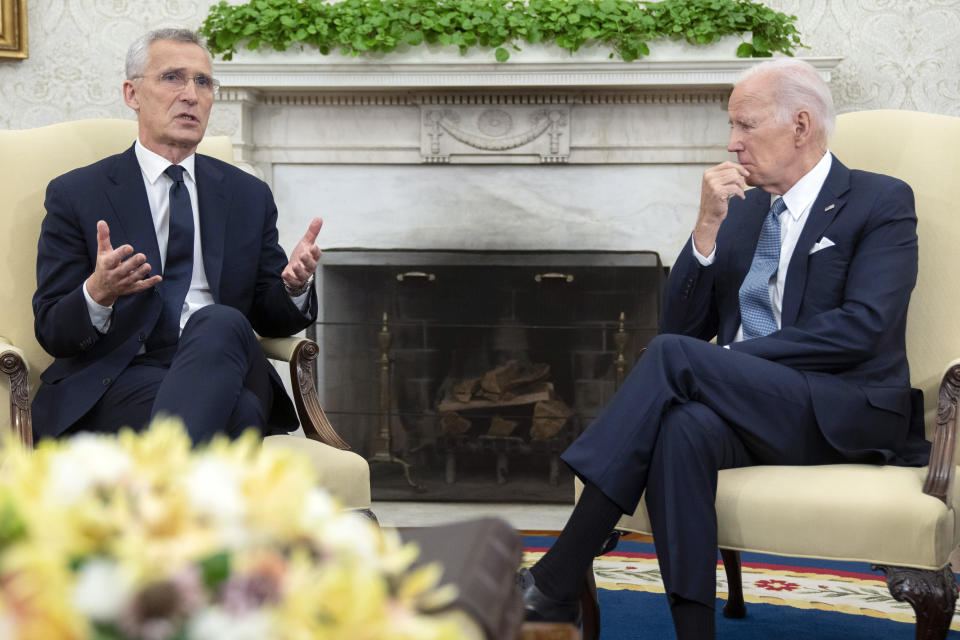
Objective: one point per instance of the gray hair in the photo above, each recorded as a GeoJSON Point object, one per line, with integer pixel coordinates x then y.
{"type": "Point", "coordinates": [137, 54]}
{"type": "Point", "coordinates": [798, 86]}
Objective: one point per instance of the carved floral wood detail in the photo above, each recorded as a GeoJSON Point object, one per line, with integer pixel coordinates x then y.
{"type": "Point", "coordinates": [897, 54]}
{"type": "Point", "coordinates": [932, 594]}
{"type": "Point", "coordinates": [13, 366]}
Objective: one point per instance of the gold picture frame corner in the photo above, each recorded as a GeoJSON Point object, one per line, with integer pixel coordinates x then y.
{"type": "Point", "coordinates": [13, 30]}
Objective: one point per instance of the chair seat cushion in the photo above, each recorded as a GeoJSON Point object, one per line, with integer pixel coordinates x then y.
{"type": "Point", "coordinates": [840, 512]}
{"type": "Point", "coordinates": [344, 474]}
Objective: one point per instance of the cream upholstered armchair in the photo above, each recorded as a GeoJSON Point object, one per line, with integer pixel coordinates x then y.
{"type": "Point", "coordinates": [901, 520]}
{"type": "Point", "coordinates": [29, 159]}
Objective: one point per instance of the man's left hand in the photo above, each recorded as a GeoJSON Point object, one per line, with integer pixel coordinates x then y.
{"type": "Point", "coordinates": [303, 259]}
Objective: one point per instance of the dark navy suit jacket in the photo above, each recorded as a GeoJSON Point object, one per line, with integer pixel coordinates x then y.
{"type": "Point", "coordinates": [241, 256]}
{"type": "Point", "coordinates": [844, 308]}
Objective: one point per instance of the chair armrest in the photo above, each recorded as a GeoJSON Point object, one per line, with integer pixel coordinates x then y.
{"type": "Point", "coordinates": [301, 353]}
{"type": "Point", "coordinates": [939, 482]}
{"type": "Point", "coordinates": [282, 349]}
{"type": "Point", "coordinates": [14, 364]}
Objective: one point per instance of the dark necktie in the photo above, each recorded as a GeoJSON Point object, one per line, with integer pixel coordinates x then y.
{"type": "Point", "coordinates": [178, 266]}
{"type": "Point", "coordinates": [756, 308]}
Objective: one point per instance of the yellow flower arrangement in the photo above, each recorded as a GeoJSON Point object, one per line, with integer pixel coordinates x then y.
{"type": "Point", "coordinates": [141, 537]}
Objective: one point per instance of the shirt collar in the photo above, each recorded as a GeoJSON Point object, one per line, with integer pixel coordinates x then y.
{"type": "Point", "coordinates": [153, 164]}
{"type": "Point", "coordinates": [801, 196]}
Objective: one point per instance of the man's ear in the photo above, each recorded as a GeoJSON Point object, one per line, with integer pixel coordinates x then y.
{"type": "Point", "coordinates": [802, 127]}
{"type": "Point", "coordinates": [130, 95]}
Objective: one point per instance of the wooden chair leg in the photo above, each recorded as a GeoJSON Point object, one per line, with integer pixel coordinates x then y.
{"type": "Point", "coordinates": [735, 607]}
{"type": "Point", "coordinates": [932, 594]}
{"type": "Point", "coordinates": [591, 608]}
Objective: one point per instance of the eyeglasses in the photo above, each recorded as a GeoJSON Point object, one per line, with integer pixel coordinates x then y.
{"type": "Point", "coordinates": [177, 81]}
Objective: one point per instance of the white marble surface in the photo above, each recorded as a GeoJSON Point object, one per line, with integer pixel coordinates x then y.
{"type": "Point", "coordinates": [618, 207]}
{"type": "Point", "coordinates": [665, 126]}
{"type": "Point", "coordinates": [670, 63]}
{"type": "Point", "coordinates": [523, 517]}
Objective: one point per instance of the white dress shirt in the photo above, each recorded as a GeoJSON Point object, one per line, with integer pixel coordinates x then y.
{"type": "Point", "coordinates": [799, 200]}
{"type": "Point", "coordinates": [157, 184]}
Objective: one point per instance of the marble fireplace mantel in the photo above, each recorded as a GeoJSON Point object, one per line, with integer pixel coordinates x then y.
{"type": "Point", "coordinates": [433, 150]}
{"type": "Point", "coordinates": [670, 64]}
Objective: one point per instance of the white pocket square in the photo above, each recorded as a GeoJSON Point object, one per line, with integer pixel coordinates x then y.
{"type": "Point", "coordinates": [823, 244]}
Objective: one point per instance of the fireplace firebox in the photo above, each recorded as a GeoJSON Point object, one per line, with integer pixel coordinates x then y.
{"type": "Point", "coordinates": [462, 375]}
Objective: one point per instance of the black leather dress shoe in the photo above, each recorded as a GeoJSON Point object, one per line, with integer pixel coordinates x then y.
{"type": "Point", "coordinates": [540, 607]}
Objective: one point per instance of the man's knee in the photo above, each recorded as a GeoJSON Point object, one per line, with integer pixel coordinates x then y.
{"type": "Point", "coordinates": [671, 343]}
{"type": "Point", "coordinates": [660, 343]}
{"type": "Point", "coordinates": [216, 323]}
{"type": "Point", "coordinates": [659, 354]}
{"type": "Point", "coordinates": [220, 315]}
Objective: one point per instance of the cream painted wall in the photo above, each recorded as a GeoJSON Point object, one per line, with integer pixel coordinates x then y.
{"type": "Point", "coordinates": [898, 54]}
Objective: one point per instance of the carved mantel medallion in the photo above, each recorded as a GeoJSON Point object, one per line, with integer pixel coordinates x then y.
{"type": "Point", "coordinates": [514, 133]}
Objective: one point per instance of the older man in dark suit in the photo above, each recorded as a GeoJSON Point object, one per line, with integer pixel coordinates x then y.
{"type": "Point", "coordinates": [155, 267]}
{"type": "Point", "coordinates": [804, 282]}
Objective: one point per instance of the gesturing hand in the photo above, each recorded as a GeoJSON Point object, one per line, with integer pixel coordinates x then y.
{"type": "Point", "coordinates": [303, 259]}
{"type": "Point", "coordinates": [118, 273]}
{"type": "Point", "coordinates": [720, 183]}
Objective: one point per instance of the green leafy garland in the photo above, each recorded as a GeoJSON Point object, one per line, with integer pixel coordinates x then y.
{"type": "Point", "coordinates": [361, 26]}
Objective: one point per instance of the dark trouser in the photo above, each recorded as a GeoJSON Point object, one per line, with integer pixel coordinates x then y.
{"type": "Point", "coordinates": [217, 380]}
{"type": "Point", "coordinates": [689, 409]}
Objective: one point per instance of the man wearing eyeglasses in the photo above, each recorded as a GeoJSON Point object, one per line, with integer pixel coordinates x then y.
{"type": "Point", "coordinates": [156, 266]}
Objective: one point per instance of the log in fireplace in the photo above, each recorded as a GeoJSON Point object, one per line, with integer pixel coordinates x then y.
{"type": "Point", "coordinates": [462, 375]}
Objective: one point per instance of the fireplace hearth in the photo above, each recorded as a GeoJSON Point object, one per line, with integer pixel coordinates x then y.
{"type": "Point", "coordinates": [462, 375]}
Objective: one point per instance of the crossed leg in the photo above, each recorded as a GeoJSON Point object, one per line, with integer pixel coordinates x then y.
{"type": "Point", "coordinates": [687, 410]}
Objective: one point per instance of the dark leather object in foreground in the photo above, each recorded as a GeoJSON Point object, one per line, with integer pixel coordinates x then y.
{"type": "Point", "coordinates": [481, 558]}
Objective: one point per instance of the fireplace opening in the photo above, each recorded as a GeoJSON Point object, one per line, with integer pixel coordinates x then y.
{"type": "Point", "coordinates": [463, 375]}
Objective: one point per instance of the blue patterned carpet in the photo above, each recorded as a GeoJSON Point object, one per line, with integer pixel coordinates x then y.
{"type": "Point", "coordinates": [787, 598]}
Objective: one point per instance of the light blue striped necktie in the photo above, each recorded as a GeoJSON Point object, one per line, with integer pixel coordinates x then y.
{"type": "Point", "coordinates": [756, 308]}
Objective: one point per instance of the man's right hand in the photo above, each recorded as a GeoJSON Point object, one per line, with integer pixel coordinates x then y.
{"type": "Point", "coordinates": [720, 183]}
{"type": "Point", "coordinates": [118, 273]}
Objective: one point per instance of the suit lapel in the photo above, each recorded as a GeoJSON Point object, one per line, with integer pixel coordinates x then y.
{"type": "Point", "coordinates": [826, 207]}
{"type": "Point", "coordinates": [213, 206]}
{"type": "Point", "coordinates": [132, 218]}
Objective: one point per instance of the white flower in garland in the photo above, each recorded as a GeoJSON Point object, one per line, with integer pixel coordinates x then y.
{"type": "Point", "coordinates": [215, 492]}
{"type": "Point", "coordinates": [214, 487]}
{"type": "Point", "coordinates": [217, 624]}
{"type": "Point", "coordinates": [90, 461]}
{"type": "Point", "coordinates": [101, 590]}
